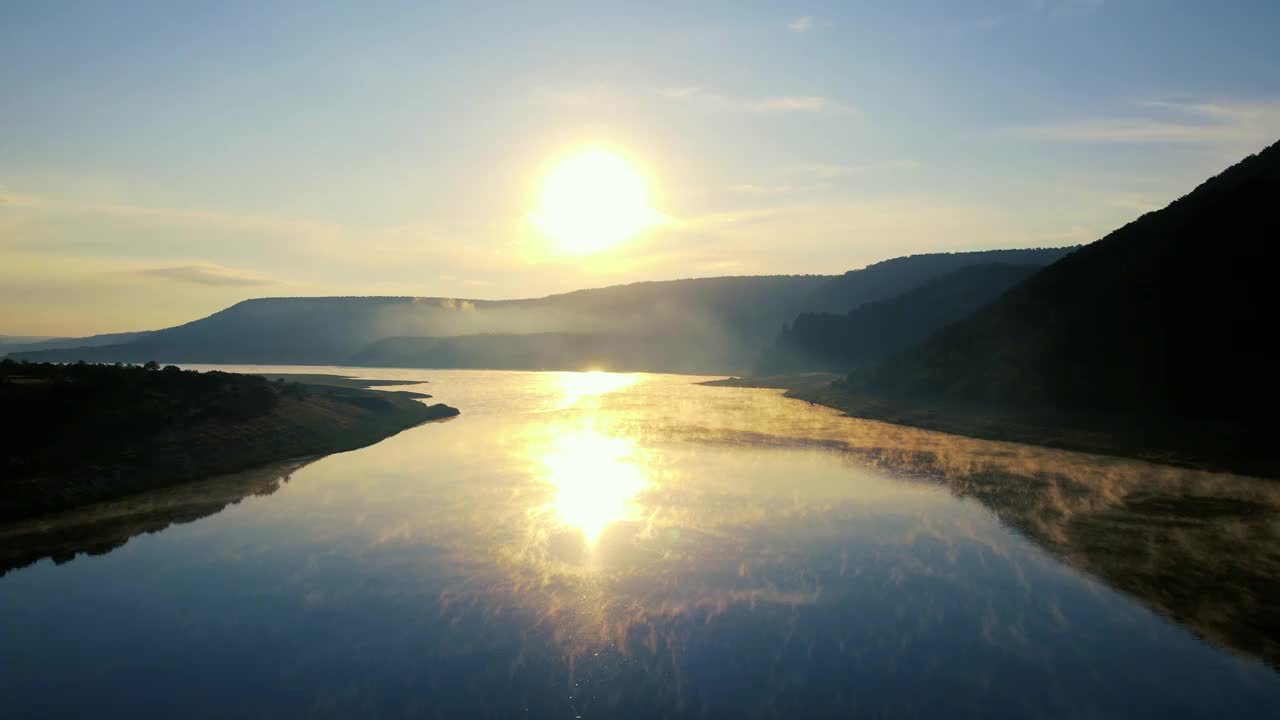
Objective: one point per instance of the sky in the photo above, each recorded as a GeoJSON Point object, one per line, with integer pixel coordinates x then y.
{"type": "Point", "coordinates": [161, 161]}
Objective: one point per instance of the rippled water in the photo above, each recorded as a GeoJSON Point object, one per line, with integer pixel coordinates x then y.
{"type": "Point", "coordinates": [597, 545]}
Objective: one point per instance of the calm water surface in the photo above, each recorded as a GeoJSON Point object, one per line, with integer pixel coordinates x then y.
{"type": "Point", "coordinates": [597, 545]}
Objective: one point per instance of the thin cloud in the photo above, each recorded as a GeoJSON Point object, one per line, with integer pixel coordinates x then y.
{"type": "Point", "coordinates": [692, 95]}
{"type": "Point", "coordinates": [794, 103]}
{"type": "Point", "coordinates": [801, 24]}
{"type": "Point", "coordinates": [835, 170]}
{"type": "Point", "coordinates": [772, 104]}
{"type": "Point", "coordinates": [316, 244]}
{"type": "Point", "coordinates": [212, 275]}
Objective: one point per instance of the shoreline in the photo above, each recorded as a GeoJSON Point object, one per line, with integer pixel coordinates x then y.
{"type": "Point", "coordinates": [776, 382]}
{"type": "Point", "coordinates": [316, 420]}
{"type": "Point", "coordinates": [1195, 444]}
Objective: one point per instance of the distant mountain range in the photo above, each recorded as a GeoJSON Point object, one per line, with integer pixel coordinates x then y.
{"type": "Point", "coordinates": [1153, 339]}
{"type": "Point", "coordinates": [15, 343]}
{"type": "Point", "coordinates": [11, 343]}
{"type": "Point", "coordinates": [706, 325]}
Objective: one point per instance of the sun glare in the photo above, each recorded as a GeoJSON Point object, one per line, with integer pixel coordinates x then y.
{"type": "Point", "coordinates": [595, 477]}
{"type": "Point", "coordinates": [592, 201]}
{"type": "Point", "coordinates": [574, 386]}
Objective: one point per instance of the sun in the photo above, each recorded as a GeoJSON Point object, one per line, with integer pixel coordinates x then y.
{"type": "Point", "coordinates": [591, 201]}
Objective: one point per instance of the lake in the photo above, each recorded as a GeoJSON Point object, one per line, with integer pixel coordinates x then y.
{"type": "Point", "coordinates": [632, 545]}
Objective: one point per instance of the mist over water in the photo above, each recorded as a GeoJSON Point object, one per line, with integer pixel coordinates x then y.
{"type": "Point", "coordinates": [595, 544]}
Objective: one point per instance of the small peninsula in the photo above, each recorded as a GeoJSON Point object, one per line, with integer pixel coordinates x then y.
{"type": "Point", "coordinates": [84, 433]}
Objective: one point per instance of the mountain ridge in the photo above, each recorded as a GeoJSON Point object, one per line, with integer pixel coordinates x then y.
{"type": "Point", "coordinates": [709, 324]}
{"type": "Point", "coordinates": [1148, 341]}
{"type": "Point", "coordinates": [831, 342]}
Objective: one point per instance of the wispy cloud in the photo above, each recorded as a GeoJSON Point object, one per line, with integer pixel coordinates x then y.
{"type": "Point", "coordinates": [190, 245]}
{"type": "Point", "coordinates": [214, 275]}
{"type": "Point", "coordinates": [836, 170]}
{"type": "Point", "coordinates": [603, 95]}
{"type": "Point", "coordinates": [766, 104]}
{"type": "Point", "coordinates": [801, 24]}
{"type": "Point", "coordinates": [1230, 125]}
{"type": "Point", "coordinates": [794, 103]}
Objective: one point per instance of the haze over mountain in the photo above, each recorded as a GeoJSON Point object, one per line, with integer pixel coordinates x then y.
{"type": "Point", "coordinates": [707, 325]}
{"type": "Point", "coordinates": [838, 342]}
{"type": "Point", "coordinates": [892, 277]}
{"type": "Point", "coordinates": [1163, 324]}
{"type": "Point", "coordinates": [12, 343]}
{"type": "Point", "coordinates": [728, 314]}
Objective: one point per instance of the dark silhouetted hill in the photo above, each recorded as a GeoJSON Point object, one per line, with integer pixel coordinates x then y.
{"type": "Point", "coordinates": [1154, 339]}
{"type": "Point", "coordinates": [837, 342]}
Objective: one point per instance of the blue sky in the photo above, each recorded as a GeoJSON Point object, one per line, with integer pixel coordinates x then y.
{"type": "Point", "coordinates": [159, 161]}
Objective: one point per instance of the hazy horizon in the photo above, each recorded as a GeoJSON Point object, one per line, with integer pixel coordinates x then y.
{"type": "Point", "coordinates": [160, 163]}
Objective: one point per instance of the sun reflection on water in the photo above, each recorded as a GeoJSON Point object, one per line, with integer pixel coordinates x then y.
{"type": "Point", "coordinates": [594, 474]}
{"type": "Point", "coordinates": [595, 477]}
{"type": "Point", "coordinates": [578, 385]}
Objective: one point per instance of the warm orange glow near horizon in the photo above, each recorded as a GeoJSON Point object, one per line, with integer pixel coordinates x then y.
{"type": "Point", "coordinates": [591, 201]}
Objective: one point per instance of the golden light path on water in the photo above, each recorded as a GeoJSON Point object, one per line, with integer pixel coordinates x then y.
{"type": "Point", "coordinates": [591, 384]}
{"type": "Point", "coordinates": [595, 475]}
{"type": "Point", "coordinates": [595, 479]}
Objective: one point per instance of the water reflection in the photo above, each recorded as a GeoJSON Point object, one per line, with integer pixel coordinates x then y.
{"type": "Point", "coordinates": [595, 477]}
{"type": "Point", "coordinates": [640, 546]}
{"type": "Point", "coordinates": [578, 385]}
{"type": "Point", "coordinates": [100, 528]}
